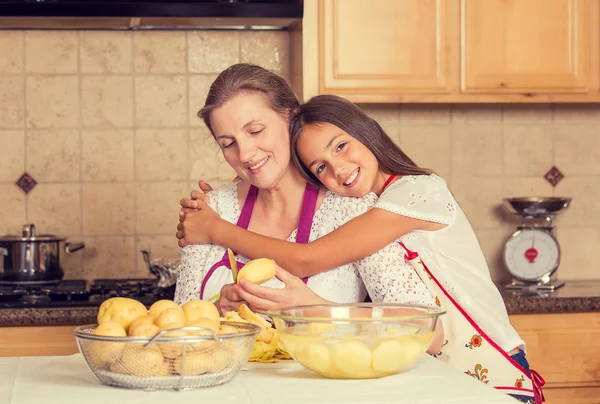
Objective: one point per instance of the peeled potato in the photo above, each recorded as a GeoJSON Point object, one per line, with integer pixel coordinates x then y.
{"type": "Point", "coordinates": [313, 355]}
{"type": "Point", "coordinates": [139, 361]}
{"type": "Point", "coordinates": [227, 329]}
{"type": "Point", "coordinates": [102, 353]}
{"type": "Point", "coordinates": [122, 310]}
{"type": "Point", "coordinates": [257, 271]}
{"type": "Point", "coordinates": [160, 306]}
{"type": "Point", "coordinates": [195, 309]}
{"type": "Point", "coordinates": [172, 316]}
{"type": "Point", "coordinates": [352, 357]}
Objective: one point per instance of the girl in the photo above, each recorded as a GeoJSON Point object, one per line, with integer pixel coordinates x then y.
{"type": "Point", "coordinates": [338, 146]}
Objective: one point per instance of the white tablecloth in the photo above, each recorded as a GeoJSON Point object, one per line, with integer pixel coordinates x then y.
{"type": "Point", "coordinates": [65, 380]}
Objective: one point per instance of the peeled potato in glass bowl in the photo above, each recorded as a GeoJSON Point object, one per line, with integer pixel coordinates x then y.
{"type": "Point", "coordinates": [357, 341]}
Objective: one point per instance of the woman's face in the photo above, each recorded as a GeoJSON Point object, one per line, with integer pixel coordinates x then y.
{"type": "Point", "coordinates": [254, 139]}
{"type": "Point", "coordinates": [342, 163]}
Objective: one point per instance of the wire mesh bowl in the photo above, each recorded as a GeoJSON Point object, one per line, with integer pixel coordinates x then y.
{"type": "Point", "coordinates": [182, 358]}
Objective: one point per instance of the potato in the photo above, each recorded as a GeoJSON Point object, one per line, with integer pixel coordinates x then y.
{"type": "Point", "coordinates": [207, 361]}
{"type": "Point", "coordinates": [147, 319]}
{"type": "Point", "coordinates": [313, 355]}
{"type": "Point", "coordinates": [172, 316]}
{"type": "Point", "coordinates": [160, 306]}
{"type": "Point", "coordinates": [122, 310]}
{"type": "Point", "coordinates": [352, 358]}
{"type": "Point", "coordinates": [102, 353]}
{"type": "Point", "coordinates": [144, 330]}
{"type": "Point", "coordinates": [195, 309]}
{"type": "Point", "coordinates": [257, 271]}
{"type": "Point", "coordinates": [139, 361]}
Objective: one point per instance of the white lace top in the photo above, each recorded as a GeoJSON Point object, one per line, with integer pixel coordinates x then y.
{"type": "Point", "coordinates": [385, 274]}
{"type": "Point", "coordinates": [452, 254]}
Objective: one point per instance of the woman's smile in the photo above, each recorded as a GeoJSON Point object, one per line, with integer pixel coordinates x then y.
{"type": "Point", "coordinates": [256, 167]}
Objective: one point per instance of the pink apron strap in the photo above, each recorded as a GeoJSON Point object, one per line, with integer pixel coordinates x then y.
{"type": "Point", "coordinates": [309, 204]}
{"type": "Point", "coordinates": [410, 255]}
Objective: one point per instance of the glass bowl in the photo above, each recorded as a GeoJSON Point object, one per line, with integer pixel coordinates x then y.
{"type": "Point", "coordinates": [357, 341]}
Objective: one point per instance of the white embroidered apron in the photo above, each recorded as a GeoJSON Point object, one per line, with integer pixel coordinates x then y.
{"type": "Point", "coordinates": [468, 348]}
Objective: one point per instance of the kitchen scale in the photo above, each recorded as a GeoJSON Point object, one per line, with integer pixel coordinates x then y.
{"type": "Point", "coordinates": [532, 253]}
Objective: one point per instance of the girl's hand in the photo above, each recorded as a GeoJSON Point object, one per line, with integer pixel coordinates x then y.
{"type": "Point", "coordinates": [261, 299]}
{"type": "Point", "coordinates": [195, 227]}
{"type": "Point", "coordinates": [230, 298]}
{"type": "Point", "coordinates": [189, 205]}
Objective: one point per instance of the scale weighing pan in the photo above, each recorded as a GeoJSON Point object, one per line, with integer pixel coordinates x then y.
{"type": "Point", "coordinates": [536, 206]}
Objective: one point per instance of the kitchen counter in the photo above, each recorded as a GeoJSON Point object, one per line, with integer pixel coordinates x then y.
{"type": "Point", "coordinates": [575, 296]}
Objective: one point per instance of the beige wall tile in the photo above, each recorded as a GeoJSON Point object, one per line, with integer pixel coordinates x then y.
{"type": "Point", "coordinates": [161, 154]}
{"type": "Point", "coordinates": [108, 209]}
{"type": "Point", "coordinates": [202, 54]}
{"type": "Point", "coordinates": [572, 113]}
{"type": "Point", "coordinates": [576, 149]}
{"type": "Point", "coordinates": [55, 208]}
{"type": "Point", "coordinates": [583, 210]}
{"type": "Point", "coordinates": [106, 52]}
{"type": "Point", "coordinates": [476, 150]}
{"type": "Point", "coordinates": [579, 253]}
{"type": "Point", "coordinates": [11, 49]}
{"type": "Point", "coordinates": [12, 162]}
{"type": "Point", "coordinates": [72, 264]}
{"type": "Point", "coordinates": [528, 149]}
{"type": "Point", "coordinates": [12, 102]}
{"type": "Point", "coordinates": [269, 49]}
{"type": "Point", "coordinates": [477, 113]}
{"type": "Point", "coordinates": [54, 155]}
{"type": "Point", "coordinates": [428, 146]}
{"type": "Point", "coordinates": [109, 257]}
{"type": "Point", "coordinates": [51, 51]}
{"type": "Point", "coordinates": [206, 159]}
{"type": "Point", "coordinates": [425, 113]}
{"type": "Point", "coordinates": [198, 87]}
{"type": "Point", "coordinates": [386, 115]}
{"type": "Point", "coordinates": [527, 113]}
{"type": "Point", "coordinates": [107, 101]}
{"type": "Point", "coordinates": [52, 101]}
{"type": "Point", "coordinates": [492, 245]}
{"type": "Point", "coordinates": [159, 247]}
{"type": "Point", "coordinates": [107, 155]}
{"type": "Point", "coordinates": [159, 51]}
{"type": "Point", "coordinates": [12, 214]}
{"type": "Point", "coordinates": [160, 101]}
{"type": "Point", "coordinates": [481, 198]}
{"type": "Point", "coordinates": [158, 207]}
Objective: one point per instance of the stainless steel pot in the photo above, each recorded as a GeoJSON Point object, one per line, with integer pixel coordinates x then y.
{"type": "Point", "coordinates": [32, 258]}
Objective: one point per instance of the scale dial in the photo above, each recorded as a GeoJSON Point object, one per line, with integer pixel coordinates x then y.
{"type": "Point", "coordinates": [531, 255]}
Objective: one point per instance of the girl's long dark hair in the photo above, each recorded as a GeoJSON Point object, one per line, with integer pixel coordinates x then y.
{"type": "Point", "coordinates": [352, 120]}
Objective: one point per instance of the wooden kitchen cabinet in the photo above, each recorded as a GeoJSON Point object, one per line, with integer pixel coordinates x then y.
{"type": "Point", "coordinates": [37, 341]}
{"type": "Point", "coordinates": [449, 50]}
{"type": "Point", "coordinates": [564, 349]}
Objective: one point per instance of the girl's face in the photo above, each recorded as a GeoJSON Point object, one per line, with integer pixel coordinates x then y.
{"type": "Point", "coordinates": [342, 163]}
{"type": "Point", "coordinates": [254, 139]}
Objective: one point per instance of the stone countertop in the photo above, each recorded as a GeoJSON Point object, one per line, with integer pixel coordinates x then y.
{"type": "Point", "coordinates": [575, 296]}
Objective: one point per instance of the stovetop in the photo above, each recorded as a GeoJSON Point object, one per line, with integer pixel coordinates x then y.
{"type": "Point", "coordinates": [81, 293]}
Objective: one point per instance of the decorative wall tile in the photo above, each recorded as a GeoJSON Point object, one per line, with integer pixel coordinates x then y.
{"type": "Point", "coordinates": [202, 54]}
{"type": "Point", "coordinates": [107, 155]}
{"type": "Point", "coordinates": [160, 101]}
{"type": "Point", "coordinates": [107, 101]}
{"type": "Point", "coordinates": [51, 51]}
{"type": "Point", "coordinates": [52, 101]}
{"type": "Point", "coordinates": [12, 102]}
{"type": "Point", "coordinates": [12, 162]}
{"type": "Point", "coordinates": [159, 51]}
{"type": "Point", "coordinates": [97, 219]}
{"type": "Point", "coordinates": [554, 176]}
{"type": "Point", "coordinates": [106, 52]}
{"type": "Point", "coordinates": [161, 154]}
{"type": "Point", "coordinates": [26, 183]}
{"type": "Point", "coordinates": [11, 49]}
{"type": "Point", "coordinates": [54, 155]}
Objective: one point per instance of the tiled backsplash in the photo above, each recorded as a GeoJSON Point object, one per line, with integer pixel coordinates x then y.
{"type": "Point", "coordinates": [105, 123]}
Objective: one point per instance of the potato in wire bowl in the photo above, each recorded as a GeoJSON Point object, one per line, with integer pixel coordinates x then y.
{"type": "Point", "coordinates": [357, 341]}
{"type": "Point", "coordinates": [181, 358]}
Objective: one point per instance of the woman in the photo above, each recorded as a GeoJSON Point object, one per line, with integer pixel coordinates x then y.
{"type": "Point", "coordinates": [247, 111]}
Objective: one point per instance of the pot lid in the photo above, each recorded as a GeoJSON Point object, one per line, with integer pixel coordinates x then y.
{"type": "Point", "coordinates": [29, 234]}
